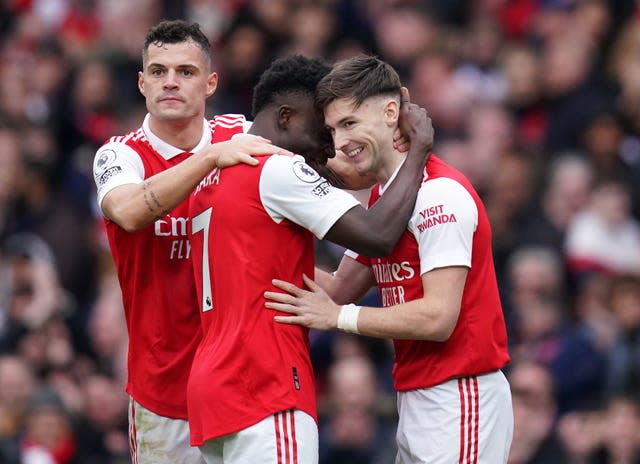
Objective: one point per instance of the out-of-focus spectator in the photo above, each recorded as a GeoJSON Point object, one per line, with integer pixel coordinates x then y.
{"type": "Point", "coordinates": [434, 86]}
{"type": "Point", "coordinates": [580, 433]}
{"type": "Point", "coordinates": [508, 197]}
{"type": "Point", "coordinates": [541, 331]}
{"type": "Point", "coordinates": [534, 413]}
{"type": "Point", "coordinates": [17, 384]}
{"type": "Point", "coordinates": [48, 436]}
{"type": "Point", "coordinates": [102, 430]}
{"type": "Point", "coordinates": [35, 295]}
{"type": "Point", "coordinates": [479, 68]}
{"type": "Point", "coordinates": [522, 71]}
{"type": "Point", "coordinates": [620, 432]}
{"type": "Point", "coordinates": [623, 363]}
{"type": "Point", "coordinates": [312, 30]}
{"type": "Point", "coordinates": [567, 187]}
{"type": "Point", "coordinates": [355, 431]}
{"type": "Point", "coordinates": [403, 33]}
{"type": "Point", "coordinates": [574, 93]}
{"type": "Point", "coordinates": [604, 237]}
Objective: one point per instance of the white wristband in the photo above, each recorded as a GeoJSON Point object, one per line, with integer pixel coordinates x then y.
{"type": "Point", "coordinates": [348, 318]}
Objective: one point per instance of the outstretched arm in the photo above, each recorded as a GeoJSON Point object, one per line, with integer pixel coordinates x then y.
{"type": "Point", "coordinates": [135, 206]}
{"type": "Point", "coordinates": [427, 318]}
{"type": "Point", "coordinates": [374, 232]}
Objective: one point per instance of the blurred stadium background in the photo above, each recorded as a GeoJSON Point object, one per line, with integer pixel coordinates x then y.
{"type": "Point", "coordinates": [536, 101]}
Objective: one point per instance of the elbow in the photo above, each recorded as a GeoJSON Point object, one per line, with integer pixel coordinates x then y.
{"type": "Point", "coordinates": [131, 226]}
{"type": "Point", "coordinates": [441, 334]}
{"type": "Point", "coordinates": [435, 331]}
{"type": "Point", "coordinates": [379, 248]}
{"type": "Point", "coordinates": [442, 329]}
{"type": "Point", "coordinates": [128, 222]}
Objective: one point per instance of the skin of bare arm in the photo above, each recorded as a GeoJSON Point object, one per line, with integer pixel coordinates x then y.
{"type": "Point", "coordinates": [135, 206]}
{"type": "Point", "coordinates": [432, 317]}
{"type": "Point", "coordinates": [348, 283]}
{"type": "Point", "coordinates": [375, 232]}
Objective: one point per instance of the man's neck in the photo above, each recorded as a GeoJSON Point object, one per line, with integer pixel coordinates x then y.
{"type": "Point", "coordinates": [183, 134]}
{"type": "Point", "coordinates": [388, 166]}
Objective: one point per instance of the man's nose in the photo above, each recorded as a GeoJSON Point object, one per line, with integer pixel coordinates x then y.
{"type": "Point", "coordinates": [340, 140]}
{"type": "Point", "coordinates": [170, 81]}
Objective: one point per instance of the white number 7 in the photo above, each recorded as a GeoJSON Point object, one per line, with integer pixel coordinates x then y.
{"type": "Point", "coordinates": [201, 222]}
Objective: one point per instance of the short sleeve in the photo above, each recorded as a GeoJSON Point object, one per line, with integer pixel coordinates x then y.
{"type": "Point", "coordinates": [291, 189]}
{"type": "Point", "coordinates": [116, 164]}
{"type": "Point", "coordinates": [443, 222]}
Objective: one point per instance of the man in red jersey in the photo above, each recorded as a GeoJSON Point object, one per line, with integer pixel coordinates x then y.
{"type": "Point", "coordinates": [251, 393]}
{"type": "Point", "coordinates": [438, 288]}
{"type": "Point", "coordinates": [143, 180]}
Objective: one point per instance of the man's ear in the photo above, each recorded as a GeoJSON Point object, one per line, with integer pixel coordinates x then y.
{"type": "Point", "coordinates": [212, 84]}
{"type": "Point", "coordinates": [141, 82]}
{"type": "Point", "coordinates": [284, 117]}
{"type": "Point", "coordinates": [391, 110]}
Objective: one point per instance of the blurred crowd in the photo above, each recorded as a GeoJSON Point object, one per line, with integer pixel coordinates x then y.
{"type": "Point", "coordinates": [536, 101]}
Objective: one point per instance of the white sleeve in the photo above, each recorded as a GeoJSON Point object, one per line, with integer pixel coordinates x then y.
{"type": "Point", "coordinates": [291, 189]}
{"type": "Point", "coordinates": [443, 222]}
{"type": "Point", "coordinates": [116, 164]}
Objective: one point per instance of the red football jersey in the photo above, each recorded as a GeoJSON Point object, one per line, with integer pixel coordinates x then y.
{"type": "Point", "coordinates": [449, 227]}
{"type": "Point", "coordinates": [251, 225]}
{"type": "Point", "coordinates": [156, 278]}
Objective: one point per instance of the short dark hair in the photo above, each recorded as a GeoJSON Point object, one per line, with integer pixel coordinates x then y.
{"type": "Point", "coordinates": [177, 31]}
{"type": "Point", "coordinates": [290, 74]}
{"type": "Point", "coordinates": [358, 78]}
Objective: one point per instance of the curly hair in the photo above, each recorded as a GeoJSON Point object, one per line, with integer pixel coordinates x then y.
{"type": "Point", "coordinates": [177, 31]}
{"type": "Point", "coordinates": [292, 74]}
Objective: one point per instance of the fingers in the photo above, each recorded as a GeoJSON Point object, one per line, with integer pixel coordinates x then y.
{"type": "Point", "coordinates": [404, 95]}
{"type": "Point", "coordinates": [247, 159]}
{"type": "Point", "coordinates": [280, 297]}
{"type": "Point", "coordinates": [285, 308]}
{"type": "Point", "coordinates": [281, 151]}
{"type": "Point", "coordinates": [310, 283]}
{"type": "Point", "coordinates": [243, 137]}
{"type": "Point", "coordinates": [286, 319]}
{"type": "Point", "coordinates": [402, 147]}
{"type": "Point", "coordinates": [287, 287]}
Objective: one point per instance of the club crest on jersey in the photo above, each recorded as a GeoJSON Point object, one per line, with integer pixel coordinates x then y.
{"type": "Point", "coordinates": [105, 159]}
{"type": "Point", "coordinates": [305, 173]}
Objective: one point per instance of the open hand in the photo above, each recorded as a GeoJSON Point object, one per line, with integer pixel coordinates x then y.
{"type": "Point", "coordinates": [241, 149]}
{"type": "Point", "coordinates": [414, 122]}
{"type": "Point", "coordinates": [311, 308]}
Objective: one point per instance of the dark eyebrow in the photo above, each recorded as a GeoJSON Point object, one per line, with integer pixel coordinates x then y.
{"type": "Point", "coordinates": [343, 120]}
{"type": "Point", "coordinates": [179, 67]}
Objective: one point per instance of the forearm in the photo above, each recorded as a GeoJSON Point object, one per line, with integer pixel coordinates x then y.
{"type": "Point", "coordinates": [415, 320]}
{"type": "Point", "coordinates": [393, 209]}
{"type": "Point", "coordinates": [143, 203]}
{"type": "Point", "coordinates": [323, 278]}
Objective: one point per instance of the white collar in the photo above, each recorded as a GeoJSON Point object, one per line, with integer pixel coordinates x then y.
{"type": "Point", "coordinates": [393, 176]}
{"type": "Point", "coordinates": [168, 151]}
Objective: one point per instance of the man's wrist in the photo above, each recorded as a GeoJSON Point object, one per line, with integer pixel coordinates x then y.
{"type": "Point", "coordinates": [348, 318]}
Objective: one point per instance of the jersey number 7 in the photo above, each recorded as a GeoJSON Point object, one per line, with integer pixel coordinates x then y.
{"type": "Point", "coordinates": [198, 223]}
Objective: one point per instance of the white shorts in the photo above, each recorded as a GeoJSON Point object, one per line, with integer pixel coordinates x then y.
{"type": "Point", "coordinates": [155, 439]}
{"type": "Point", "coordinates": [288, 437]}
{"type": "Point", "coordinates": [467, 420]}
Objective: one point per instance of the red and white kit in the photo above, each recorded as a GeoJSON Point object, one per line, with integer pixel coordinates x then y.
{"type": "Point", "coordinates": [155, 272]}
{"type": "Point", "coordinates": [449, 227]}
{"type": "Point", "coordinates": [251, 225]}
